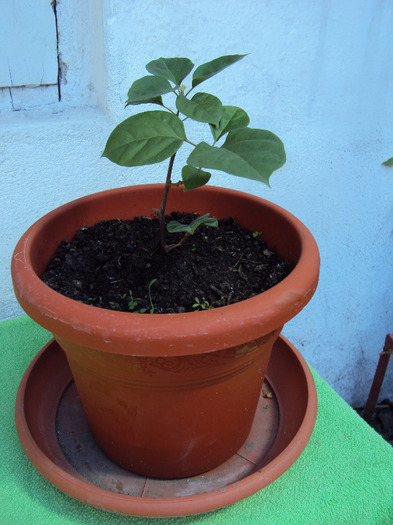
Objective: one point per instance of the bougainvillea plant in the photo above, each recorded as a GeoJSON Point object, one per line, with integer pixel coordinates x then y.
{"type": "Point", "coordinates": [150, 137]}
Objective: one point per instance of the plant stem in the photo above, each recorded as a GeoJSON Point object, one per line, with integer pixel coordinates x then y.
{"type": "Point", "coordinates": [170, 247]}
{"type": "Point", "coordinates": [161, 213]}
{"type": "Point", "coordinates": [169, 109]}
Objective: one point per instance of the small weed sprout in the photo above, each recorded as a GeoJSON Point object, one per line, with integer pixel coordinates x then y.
{"type": "Point", "coordinates": [149, 293]}
{"type": "Point", "coordinates": [132, 303]}
{"type": "Point", "coordinates": [202, 305]}
{"type": "Point", "coordinates": [114, 305]}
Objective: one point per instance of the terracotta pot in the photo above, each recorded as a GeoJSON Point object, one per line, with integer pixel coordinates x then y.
{"type": "Point", "coordinates": [168, 395]}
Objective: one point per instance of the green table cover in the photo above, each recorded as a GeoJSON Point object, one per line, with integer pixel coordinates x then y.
{"type": "Point", "coordinates": [343, 477]}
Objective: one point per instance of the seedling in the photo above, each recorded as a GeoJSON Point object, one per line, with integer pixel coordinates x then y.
{"type": "Point", "coordinates": [189, 229]}
{"type": "Point", "coordinates": [202, 305]}
{"type": "Point", "coordinates": [133, 303]}
{"type": "Point", "coordinates": [114, 305]}
{"type": "Point", "coordinates": [149, 293]}
{"type": "Point", "coordinates": [150, 137]}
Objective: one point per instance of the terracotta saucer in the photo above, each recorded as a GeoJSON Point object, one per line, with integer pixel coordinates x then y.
{"type": "Point", "coordinates": [55, 435]}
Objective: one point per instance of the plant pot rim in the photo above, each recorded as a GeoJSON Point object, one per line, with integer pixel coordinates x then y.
{"type": "Point", "coordinates": [154, 335]}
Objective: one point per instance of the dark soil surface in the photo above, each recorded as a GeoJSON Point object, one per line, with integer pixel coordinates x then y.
{"type": "Point", "coordinates": [118, 265]}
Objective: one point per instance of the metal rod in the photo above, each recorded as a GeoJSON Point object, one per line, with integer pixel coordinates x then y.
{"type": "Point", "coordinates": [379, 376]}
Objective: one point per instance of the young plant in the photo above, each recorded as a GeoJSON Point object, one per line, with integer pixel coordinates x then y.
{"type": "Point", "coordinates": [133, 303]}
{"type": "Point", "coordinates": [149, 293]}
{"type": "Point", "coordinates": [189, 229]}
{"type": "Point", "coordinates": [150, 137]}
{"type": "Point", "coordinates": [202, 305]}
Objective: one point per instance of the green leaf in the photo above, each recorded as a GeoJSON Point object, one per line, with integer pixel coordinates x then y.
{"type": "Point", "coordinates": [388, 162]}
{"type": "Point", "coordinates": [202, 107]}
{"type": "Point", "coordinates": [148, 89]}
{"type": "Point", "coordinates": [250, 153]}
{"type": "Point", "coordinates": [176, 227]}
{"type": "Point", "coordinates": [145, 138]}
{"type": "Point", "coordinates": [194, 177]}
{"type": "Point", "coordinates": [232, 118]}
{"type": "Point", "coordinates": [173, 69]}
{"type": "Point", "coordinates": [210, 69]}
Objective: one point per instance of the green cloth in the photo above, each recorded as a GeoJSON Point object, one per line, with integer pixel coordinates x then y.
{"type": "Point", "coordinates": [344, 476]}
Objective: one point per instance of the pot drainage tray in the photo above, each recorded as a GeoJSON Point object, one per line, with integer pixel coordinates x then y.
{"type": "Point", "coordinates": [55, 435]}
